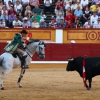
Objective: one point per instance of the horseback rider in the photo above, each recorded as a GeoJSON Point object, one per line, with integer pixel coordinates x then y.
{"type": "Point", "coordinates": [17, 46]}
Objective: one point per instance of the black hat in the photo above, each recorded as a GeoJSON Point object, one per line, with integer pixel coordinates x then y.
{"type": "Point", "coordinates": [24, 31]}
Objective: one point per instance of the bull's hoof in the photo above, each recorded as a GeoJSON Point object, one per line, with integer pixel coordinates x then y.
{"type": "Point", "coordinates": [88, 88]}
{"type": "Point", "coordinates": [2, 88]}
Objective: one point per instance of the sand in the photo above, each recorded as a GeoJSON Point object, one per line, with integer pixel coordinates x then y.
{"type": "Point", "coordinates": [48, 84]}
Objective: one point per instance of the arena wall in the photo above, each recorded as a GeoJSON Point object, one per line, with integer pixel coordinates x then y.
{"type": "Point", "coordinates": [59, 44]}
{"type": "Point", "coordinates": [55, 35]}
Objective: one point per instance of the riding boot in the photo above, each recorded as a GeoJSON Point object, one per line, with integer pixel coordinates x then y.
{"type": "Point", "coordinates": [23, 63]}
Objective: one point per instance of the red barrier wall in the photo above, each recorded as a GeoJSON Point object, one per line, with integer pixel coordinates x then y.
{"type": "Point", "coordinates": [60, 52]}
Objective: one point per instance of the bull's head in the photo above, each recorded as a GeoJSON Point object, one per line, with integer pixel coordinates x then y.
{"type": "Point", "coordinates": [70, 65]}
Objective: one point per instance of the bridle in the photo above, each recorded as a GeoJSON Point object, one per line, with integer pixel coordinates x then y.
{"type": "Point", "coordinates": [39, 53]}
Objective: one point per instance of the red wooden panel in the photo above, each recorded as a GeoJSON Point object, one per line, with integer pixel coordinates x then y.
{"type": "Point", "coordinates": [60, 52]}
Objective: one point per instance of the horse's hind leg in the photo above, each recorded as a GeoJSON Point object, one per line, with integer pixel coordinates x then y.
{"type": "Point", "coordinates": [1, 85]}
{"type": "Point", "coordinates": [20, 77]}
{"type": "Point", "coordinates": [1, 81]}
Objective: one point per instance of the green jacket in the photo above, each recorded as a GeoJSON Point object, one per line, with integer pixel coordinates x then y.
{"type": "Point", "coordinates": [15, 43]}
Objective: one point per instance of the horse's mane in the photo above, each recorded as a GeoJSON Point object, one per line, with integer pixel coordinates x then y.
{"type": "Point", "coordinates": [36, 40]}
{"type": "Point", "coordinates": [33, 40]}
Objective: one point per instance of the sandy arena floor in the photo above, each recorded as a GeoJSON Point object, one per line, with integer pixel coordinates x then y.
{"type": "Point", "coordinates": [48, 84]}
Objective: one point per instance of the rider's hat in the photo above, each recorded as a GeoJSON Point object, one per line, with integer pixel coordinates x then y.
{"type": "Point", "coordinates": [23, 32]}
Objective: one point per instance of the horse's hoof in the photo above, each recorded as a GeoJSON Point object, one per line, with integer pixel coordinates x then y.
{"type": "Point", "coordinates": [2, 88]}
{"type": "Point", "coordinates": [20, 86]}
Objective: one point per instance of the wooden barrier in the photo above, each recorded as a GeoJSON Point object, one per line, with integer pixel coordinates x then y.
{"type": "Point", "coordinates": [81, 35]}
{"type": "Point", "coordinates": [50, 34]}
{"type": "Point", "coordinates": [7, 34]}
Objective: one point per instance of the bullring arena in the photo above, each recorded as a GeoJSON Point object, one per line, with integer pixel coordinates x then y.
{"type": "Point", "coordinates": [51, 81]}
{"type": "Point", "coordinates": [48, 82]}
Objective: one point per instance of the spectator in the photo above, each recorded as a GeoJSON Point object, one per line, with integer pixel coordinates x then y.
{"type": "Point", "coordinates": [11, 18]}
{"type": "Point", "coordinates": [77, 23]}
{"type": "Point", "coordinates": [67, 4]}
{"type": "Point", "coordinates": [47, 5]}
{"type": "Point", "coordinates": [59, 17]}
{"type": "Point", "coordinates": [2, 24]}
{"type": "Point", "coordinates": [78, 12]}
{"type": "Point", "coordinates": [60, 11]}
{"type": "Point", "coordinates": [4, 16]}
{"type": "Point", "coordinates": [20, 17]}
{"type": "Point", "coordinates": [6, 2]}
{"type": "Point", "coordinates": [68, 10]}
{"type": "Point", "coordinates": [97, 25]}
{"type": "Point", "coordinates": [87, 24]}
{"type": "Point", "coordinates": [9, 4]}
{"type": "Point", "coordinates": [1, 5]}
{"type": "Point", "coordinates": [11, 10]}
{"type": "Point", "coordinates": [14, 1]}
{"type": "Point", "coordinates": [4, 9]}
{"type": "Point", "coordinates": [98, 6]}
{"type": "Point", "coordinates": [37, 10]}
{"type": "Point", "coordinates": [70, 17]}
{"type": "Point", "coordinates": [25, 3]}
{"type": "Point", "coordinates": [93, 18]}
{"type": "Point", "coordinates": [52, 24]}
{"type": "Point", "coordinates": [18, 6]}
{"type": "Point", "coordinates": [35, 24]}
{"type": "Point", "coordinates": [69, 24]}
{"type": "Point", "coordinates": [86, 15]}
{"type": "Point", "coordinates": [43, 24]}
{"type": "Point", "coordinates": [17, 22]}
{"type": "Point", "coordinates": [95, 7]}
{"type": "Point", "coordinates": [26, 23]}
{"type": "Point", "coordinates": [33, 3]}
{"type": "Point", "coordinates": [36, 17]}
{"type": "Point", "coordinates": [61, 24]}
{"type": "Point", "coordinates": [28, 12]}
{"type": "Point", "coordinates": [58, 5]}
{"type": "Point", "coordinates": [78, 5]}
{"type": "Point", "coordinates": [84, 3]}
{"type": "Point", "coordinates": [72, 5]}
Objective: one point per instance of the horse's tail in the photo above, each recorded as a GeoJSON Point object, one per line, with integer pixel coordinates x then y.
{"type": "Point", "coordinates": [1, 59]}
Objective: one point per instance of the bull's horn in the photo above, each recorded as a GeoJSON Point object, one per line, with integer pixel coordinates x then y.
{"type": "Point", "coordinates": [70, 59]}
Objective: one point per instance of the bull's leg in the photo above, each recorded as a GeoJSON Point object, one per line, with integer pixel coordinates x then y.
{"type": "Point", "coordinates": [20, 77]}
{"type": "Point", "coordinates": [90, 81]}
{"type": "Point", "coordinates": [89, 86]}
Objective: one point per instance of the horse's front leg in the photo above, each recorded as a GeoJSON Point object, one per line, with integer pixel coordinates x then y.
{"type": "Point", "coordinates": [20, 77]}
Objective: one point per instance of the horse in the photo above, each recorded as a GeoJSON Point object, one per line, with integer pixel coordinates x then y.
{"type": "Point", "coordinates": [8, 61]}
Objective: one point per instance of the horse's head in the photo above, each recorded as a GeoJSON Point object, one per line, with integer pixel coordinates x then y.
{"type": "Point", "coordinates": [37, 46]}
{"type": "Point", "coordinates": [41, 49]}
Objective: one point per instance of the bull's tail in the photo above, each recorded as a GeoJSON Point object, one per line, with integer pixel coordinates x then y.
{"type": "Point", "coordinates": [1, 59]}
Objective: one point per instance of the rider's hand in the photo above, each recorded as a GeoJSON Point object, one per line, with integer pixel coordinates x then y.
{"type": "Point", "coordinates": [24, 45]}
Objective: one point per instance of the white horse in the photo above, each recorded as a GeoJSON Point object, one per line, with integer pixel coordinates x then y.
{"type": "Point", "coordinates": [8, 61]}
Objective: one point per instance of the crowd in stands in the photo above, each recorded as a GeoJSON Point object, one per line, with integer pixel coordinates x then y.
{"type": "Point", "coordinates": [67, 14]}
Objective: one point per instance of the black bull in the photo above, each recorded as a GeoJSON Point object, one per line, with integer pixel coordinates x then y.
{"type": "Point", "coordinates": [92, 67]}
